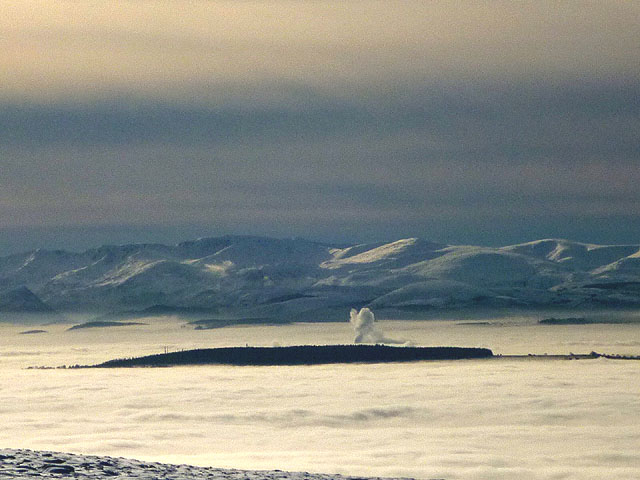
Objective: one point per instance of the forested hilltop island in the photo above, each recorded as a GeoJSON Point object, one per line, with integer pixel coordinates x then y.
{"type": "Point", "coordinates": [267, 278]}
{"type": "Point", "coordinates": [300, 355]}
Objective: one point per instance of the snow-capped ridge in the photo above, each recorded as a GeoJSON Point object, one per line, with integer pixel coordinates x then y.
{"type": "Point", "coordinates": [296, 278]}
{"type": "Point", "coordinates": [577, 255]}
{"type": "Point", "coordinates": [402, 251]}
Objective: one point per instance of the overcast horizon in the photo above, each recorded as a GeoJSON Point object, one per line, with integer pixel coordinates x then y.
{"type": "Point", "coordinates": [486, 124]}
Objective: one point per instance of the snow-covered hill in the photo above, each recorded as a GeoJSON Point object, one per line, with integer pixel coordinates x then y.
{"type": "Point", "coordinates": [257, 277]}
{"type": "Point", "coordinates": [26, 464]}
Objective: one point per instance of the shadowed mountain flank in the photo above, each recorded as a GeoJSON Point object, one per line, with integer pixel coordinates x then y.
{"type": "Point", "coordinates": [22, 300]}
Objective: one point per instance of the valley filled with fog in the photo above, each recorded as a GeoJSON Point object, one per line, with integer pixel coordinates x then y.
{"type": "Point", "coordinates": [493, 418]}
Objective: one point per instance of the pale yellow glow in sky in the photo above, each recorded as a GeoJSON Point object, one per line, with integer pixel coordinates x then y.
{"type": "Point", "coordinates": [83, 50]}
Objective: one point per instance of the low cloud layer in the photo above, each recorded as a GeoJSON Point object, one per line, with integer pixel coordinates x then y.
{"type": "Point", "coordinates": [485, 420]}
{"type": "Point", "coordinates": [545, 162]}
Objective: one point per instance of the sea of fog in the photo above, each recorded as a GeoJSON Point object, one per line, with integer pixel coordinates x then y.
{"type": "Point", "coordinates": [498, 418]}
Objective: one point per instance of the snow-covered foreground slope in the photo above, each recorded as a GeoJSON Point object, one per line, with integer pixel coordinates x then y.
{"type": "Point", "coordinates": [240, 276]}
{"type": "Point", "coordinates": [38, 464]}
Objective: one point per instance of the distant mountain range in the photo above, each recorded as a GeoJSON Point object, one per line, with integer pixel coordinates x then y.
{"type": "Point", "coordinates": [257, 277]}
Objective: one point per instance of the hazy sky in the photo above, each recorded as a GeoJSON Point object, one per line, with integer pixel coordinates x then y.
{"type": "Point", "coordinates": [482, 122]}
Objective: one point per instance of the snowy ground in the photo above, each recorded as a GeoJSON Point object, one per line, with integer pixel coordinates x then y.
{"type": "Point", "coordinates": [39, 464]}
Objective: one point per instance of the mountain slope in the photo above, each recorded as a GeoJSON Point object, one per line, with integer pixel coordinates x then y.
{"type": "Point", "coordinates": [22, 300]}
{"type": "Point", "coordinates": [294, 278]}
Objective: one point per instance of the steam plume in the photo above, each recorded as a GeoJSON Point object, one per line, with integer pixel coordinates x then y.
{"type": "Point", "coordinates": [366, 332]}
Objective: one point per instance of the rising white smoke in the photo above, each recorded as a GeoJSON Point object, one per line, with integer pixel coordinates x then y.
{"type": "Point", "coordinates": [366, 332]}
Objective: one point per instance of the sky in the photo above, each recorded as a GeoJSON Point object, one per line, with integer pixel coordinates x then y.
{"type": "Point", "coordinates": [460, 122]}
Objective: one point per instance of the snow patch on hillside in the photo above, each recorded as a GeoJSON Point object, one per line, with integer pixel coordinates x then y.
{"type": "Point", "coordinates": [372, 255]}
